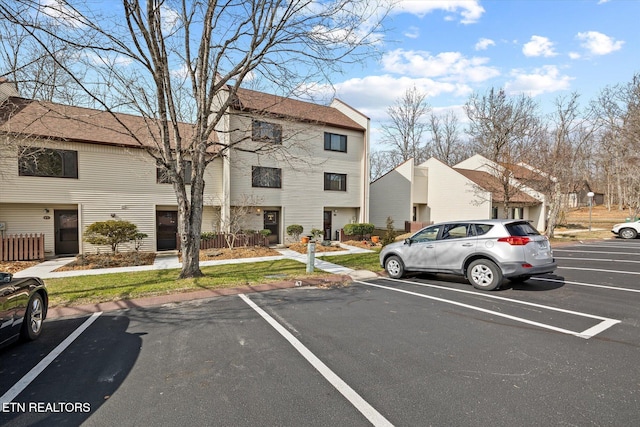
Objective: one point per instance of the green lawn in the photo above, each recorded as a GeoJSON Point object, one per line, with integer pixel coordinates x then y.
{"type": "Point", "coordinates": [117, 286]}
{"type": "Point", "coordinates": [366, 261]}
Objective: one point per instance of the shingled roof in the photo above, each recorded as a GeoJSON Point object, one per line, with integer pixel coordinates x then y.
{"type": "Point", "coordinates": [249, 100]}
{"type": "Point", "coordinates": [490, 183]}
{"type": "Point", "coordinates": [41, 119]}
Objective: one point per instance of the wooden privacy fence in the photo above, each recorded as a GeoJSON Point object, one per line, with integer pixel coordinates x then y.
{"type": "Point", "coordinates": [220, 241]}
{"type": "Point", "coordinates": [413, 226]}
{"type": "Point", "coordinates": [18, 247]}
{"type": "Point", "coordinates": [346, 237]}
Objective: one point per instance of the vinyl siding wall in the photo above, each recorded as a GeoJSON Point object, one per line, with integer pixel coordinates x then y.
{"type": "Point", "coordinates": [303, 161]}
{"type": "Point", "coordinates": [391, 196]}
{"type": "Point", "coordinates": [454, 197]}
{"type": "Point", "coordinates": [111, 180]}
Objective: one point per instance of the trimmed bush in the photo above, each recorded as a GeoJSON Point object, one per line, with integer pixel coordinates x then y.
{"type": "Point", "coordinates": [359, 229]}
{"type": "Point", "coordinates": [112, 232]}
{"type": "Point", "coordinates": [265, 232]}
{"type": "Point", "coordinates": [295, 231]}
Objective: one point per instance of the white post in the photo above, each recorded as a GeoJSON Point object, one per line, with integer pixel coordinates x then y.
{"type": "Point", "coordinates": [311, 255]}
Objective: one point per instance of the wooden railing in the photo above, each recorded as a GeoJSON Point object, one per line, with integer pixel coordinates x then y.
{"type": "Point", "coordinates": [18, 247]}
{"type": "Point", "coordinates": [220, 241]}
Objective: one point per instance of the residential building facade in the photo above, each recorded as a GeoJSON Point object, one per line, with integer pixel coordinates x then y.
{"type": "Point", "coordinates": [64, 168]}
{"type": "Point", "coordinates": [434, 192]}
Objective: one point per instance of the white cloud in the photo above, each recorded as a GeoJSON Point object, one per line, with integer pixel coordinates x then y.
{"type": "Point", "coordinates": [170, 18]}
{"type": "Point", "coordinates": [599, 44]}
{"type": "Point", "coordinates": [542, 80]}
{"type": "Point", "coordinates": [61, 13]}
{"type": "Point", "coordinates": [539, 46]}
{"type": "Point", "coordinates": [484, 43]}
{"type": "Point", "coordinates": [449, 66]}
{"type": "Point", "coordinates": [574, 55]}
{"type": "Point", "coordinates": [469, 10]}
{"type": "Point", "coordinates": [364, 94]}
{"type": "Point", "coordinates": [412, 32]}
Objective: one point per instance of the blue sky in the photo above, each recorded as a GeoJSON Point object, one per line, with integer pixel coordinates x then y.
{"type": "Point", "coordinates": [449, 49]}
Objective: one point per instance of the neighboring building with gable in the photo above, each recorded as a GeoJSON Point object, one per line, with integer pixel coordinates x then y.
{"type": "Point", "coordinates": [433, 192]}
{"type": "Point", "coordinates": [316, 175]}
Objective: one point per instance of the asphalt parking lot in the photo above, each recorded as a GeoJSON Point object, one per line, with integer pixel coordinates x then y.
{"type": "Point", "coordinates": [425, 350]}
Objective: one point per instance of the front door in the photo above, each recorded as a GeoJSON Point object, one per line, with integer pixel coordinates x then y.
{"type": "Point", "coordinates": [66, 231]}
{"type": "Point", "coordinates": [166, 230]}
{"type": "Point", "coordinates": [271, 223]}
{"type": "Point", "coordinates": [327, 225]}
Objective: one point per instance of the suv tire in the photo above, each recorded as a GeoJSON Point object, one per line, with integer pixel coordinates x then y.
{"type": "Point", "coordinates": [484, 274]}
{"type": "Point", "coordinates": [394, 267]}
{"type": "Point", "coordinates": [628, 233]}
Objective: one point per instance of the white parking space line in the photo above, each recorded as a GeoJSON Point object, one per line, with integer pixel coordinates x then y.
{"type": "Point", "coordinates": [603, 325]}
{"type": "Point", "coordinates": [37, 370]}
{"type": "Point", "coordinates": [598, 269]}
{"type": "Point", "coordinates": [590, 285]}
{"type": "Point", "coordinates": [596, 252]}
{"type": "Point", "coordinates": [356, 400]}
{"type": "Point", "coordinates": [599, 259]}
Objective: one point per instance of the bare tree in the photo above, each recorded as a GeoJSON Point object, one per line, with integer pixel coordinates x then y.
{"type": "Point", "coordinates": [406, 127]}
{"type": "Point", "coordinates": [618, 113]}
{"type": "Point", "coordinates": [446, 144]}
{"type": "Point", "coordinates": [503, 129]}
{"type": "Point", "coordinates": [32, 68]}
{"type": "Point", "coordinates": [381, 162]}
{"type": "Point", "coordinates": [175, 62]}
{"type": "Point", "coordinates": [561, 154]}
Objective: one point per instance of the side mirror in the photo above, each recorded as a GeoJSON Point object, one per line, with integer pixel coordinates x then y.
{"type": "Point", "coordinates": [407, 241]}
{"type": "Point", "coordinates": [6, 277]}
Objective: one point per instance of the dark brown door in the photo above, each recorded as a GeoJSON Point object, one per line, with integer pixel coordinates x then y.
{"type": "Point", "coordinates": [327, 225]}
{"type": "Point", "coordinates": [66, 230]}
{"type": "Point", "coordinates": [166, 230]}
{"type": "Point", "coordinates": [271, 223]}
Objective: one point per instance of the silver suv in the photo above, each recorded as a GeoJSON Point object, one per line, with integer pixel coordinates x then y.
{"type": "Point", "coordinates": [484, 251]}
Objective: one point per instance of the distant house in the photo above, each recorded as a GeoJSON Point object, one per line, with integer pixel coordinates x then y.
{"type": "Point", "coordinates": [95, 171]}
{"type": "Point", "coordinates": [434, 192]}
{"type": "Point", "coordinates": [578, 196]}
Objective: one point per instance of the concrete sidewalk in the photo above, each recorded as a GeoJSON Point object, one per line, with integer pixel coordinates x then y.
{"type": "Point", "coordinates": [46, 269]}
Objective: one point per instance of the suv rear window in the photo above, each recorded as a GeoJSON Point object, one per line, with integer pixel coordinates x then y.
{"type": "Point", "coordinates": [521, 229]}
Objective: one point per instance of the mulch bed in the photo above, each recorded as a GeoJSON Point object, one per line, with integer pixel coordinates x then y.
{"type": "Point", "coordinates": [302, 248]}
{"type": "Point", "coordinates": [95, 261]}
{"type": "Point", "coordinates": [242, 252]}
{"type": "Point", "coordinates": [15, 266]}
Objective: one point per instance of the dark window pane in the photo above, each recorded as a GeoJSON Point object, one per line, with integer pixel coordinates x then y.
{"type": "Point", "coordinates": [266, 177]}
{"type": "Point", "coordinates": [162, 177]}
{"type": "Point", "coordinates": [335, 182]}
{"type": "Point", "coordinates": [335, 142]}
{"type": "Point", "coordinates": [34, 161]}
{"type": "Point", "coordinates": [266, 132]}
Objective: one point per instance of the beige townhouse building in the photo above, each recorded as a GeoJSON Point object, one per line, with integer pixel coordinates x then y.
{"type": "Point", "coordinates": [65, 167]}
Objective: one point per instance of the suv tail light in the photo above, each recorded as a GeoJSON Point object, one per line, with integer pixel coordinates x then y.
{"type": "Point", "coordinates": [515, 240]}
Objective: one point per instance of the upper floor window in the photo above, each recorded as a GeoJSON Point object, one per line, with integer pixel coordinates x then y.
{"type": "Point", "coordinates": [35, 161]}
{"type": "Point", "coordinates": [335, 181]}
{"type": "Point", "coordinates": [266, 132]}
{"type": "Point", "coordinates": [163, 178]}
{"type": "Point", "coordinates": [335, 142]}
{"type": "Point", "coordinates": [266, 177]}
